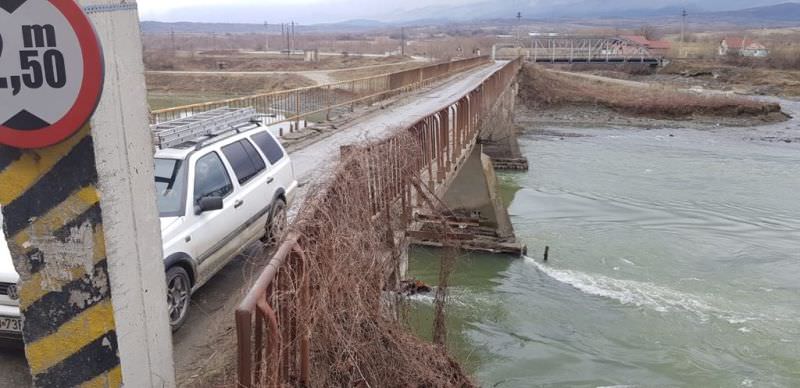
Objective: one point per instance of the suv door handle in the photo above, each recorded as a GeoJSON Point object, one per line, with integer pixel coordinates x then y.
{"type": "Point", "coordinates": [238, 204]}
{"type": "Point", "coordinates": [270, 180]}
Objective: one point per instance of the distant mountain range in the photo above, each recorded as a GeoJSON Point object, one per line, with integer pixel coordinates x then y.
{"type": "Point", "coordinates": [780, 12]}
{"type": "Point", "coordinates": [785, 14]}
{"type": "Point", "coordinates": [152, 27]}
{"type": "Point", "coordinates": [619, 9]}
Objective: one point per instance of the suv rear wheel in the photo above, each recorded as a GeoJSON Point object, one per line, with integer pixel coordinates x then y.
{"type": "Point", "coordinates": [276, 225]}
{"type": "Point", "coordinates": [179, 293]}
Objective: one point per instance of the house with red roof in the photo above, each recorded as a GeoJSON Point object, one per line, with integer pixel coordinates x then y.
{"type": "Point", "coordinates": [743, 47]}
{"type": "Point", "coordinates": [656, 47]}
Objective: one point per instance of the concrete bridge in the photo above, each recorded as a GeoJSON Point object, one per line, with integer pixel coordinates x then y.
{"type": "Point", "coordinates": [460, 117]}
{"type": "Point", "coordinates": [430, 97]}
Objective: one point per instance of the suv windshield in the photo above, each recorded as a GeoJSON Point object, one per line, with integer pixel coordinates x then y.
{"type": "Point", "coordinates": [170, 187]}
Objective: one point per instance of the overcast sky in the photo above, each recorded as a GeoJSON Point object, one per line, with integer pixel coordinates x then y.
{"type": "Point", "coordinates": [305, 11]}
{"type": "Point", "coordinates": [322, 11]}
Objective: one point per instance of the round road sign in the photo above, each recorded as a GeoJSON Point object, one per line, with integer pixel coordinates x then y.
{"type": "Point", "coordinates": [51, 71]}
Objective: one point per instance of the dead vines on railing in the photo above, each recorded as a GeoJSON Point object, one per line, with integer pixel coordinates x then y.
{"type": "Point", "coordinates": [351, 231]}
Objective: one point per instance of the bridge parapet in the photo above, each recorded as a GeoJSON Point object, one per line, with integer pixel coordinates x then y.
{"type": "Point", "coordinates": [376, 184]}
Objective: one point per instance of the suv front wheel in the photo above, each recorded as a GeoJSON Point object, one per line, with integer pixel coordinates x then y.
{"type": "Point", "coordinates": [276, 225]}
{"type": "Point", "coordinates": [179, 293]}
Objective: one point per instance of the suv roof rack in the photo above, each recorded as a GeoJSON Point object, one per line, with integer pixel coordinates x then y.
{"type": "Point", "coordinates": [195, 128]}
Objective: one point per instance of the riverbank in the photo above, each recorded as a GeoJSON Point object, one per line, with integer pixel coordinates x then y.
{"type": "Point", "coordinates": [550, 97]}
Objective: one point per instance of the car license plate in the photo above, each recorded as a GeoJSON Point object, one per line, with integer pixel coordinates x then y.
{"type": "Point", "coordinates": [11, 324]}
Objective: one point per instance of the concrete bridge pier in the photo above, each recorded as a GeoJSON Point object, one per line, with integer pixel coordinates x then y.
{"type": "Point", "coordinates": [498, 133]}
{"type": "Point", "coordinates": [478, 219]}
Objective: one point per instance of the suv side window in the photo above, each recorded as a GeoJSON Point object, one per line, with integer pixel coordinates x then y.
{"type": "Point", "coordinates": [244, 159]}
{"type": "Point", "coordinates": [210, 178]}
{"type": "Point", "coordinates": [269, 147]}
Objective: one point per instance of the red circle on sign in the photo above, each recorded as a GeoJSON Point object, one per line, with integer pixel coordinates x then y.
{"type": "Point", "coordinates": [88, 96]}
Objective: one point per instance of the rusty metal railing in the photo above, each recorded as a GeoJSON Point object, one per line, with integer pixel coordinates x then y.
{"type": "Point", "coordinates": [295, 105]}
{"type": "Point", "coordinates": [274, 346]}
{"type": "Point", "coordinates": [266, 327]}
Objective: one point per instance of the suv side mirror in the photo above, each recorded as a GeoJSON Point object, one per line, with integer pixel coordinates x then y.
{"type": "Point", "coordinates": [208, 204]}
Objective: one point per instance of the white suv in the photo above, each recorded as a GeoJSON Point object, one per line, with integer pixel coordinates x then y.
{"type": "Point", "coordinates": [223, 181]}
{"type": "Point", "coordinates": [10, 322]}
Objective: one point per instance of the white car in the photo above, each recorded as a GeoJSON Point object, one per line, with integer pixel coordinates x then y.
{"type": "Point", "coordinates": [10, 322]}
{"type": "Point", "coordinates": [223, 181]}
{"type": "Point", "coordinates": [219, 189]}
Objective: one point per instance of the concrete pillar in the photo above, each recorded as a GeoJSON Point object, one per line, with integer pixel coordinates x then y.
{"type": "Point", "coordinates": [498, 132]}
{"type": "Point", "coordinates": [81, 221]}
{"type": "Point", "coordinates": [475, 189]}
{"type": "Point", "coordinates": [124, 152]}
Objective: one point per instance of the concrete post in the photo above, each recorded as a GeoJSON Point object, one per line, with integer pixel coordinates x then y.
{"type": "Point", "coordinates": [81, 221]}
{"type": "Point", "coordinates": [123, 148]}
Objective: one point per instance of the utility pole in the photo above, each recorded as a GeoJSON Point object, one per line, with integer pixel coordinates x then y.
{"type": "Point", "coordinates": [684, 14]}
{"type": "Point", "coordinates": [403, 41]}
{"type": "Point", "coordinates": [266, 36]}
{"type": "Point", "coordinates": [293, 37]}
{"type": "Point", "coordinates": [519, 25]}
{"type": "Point", "coordinates": [288, 42]}
{"type": "Point", "coordinates": [172, 40]}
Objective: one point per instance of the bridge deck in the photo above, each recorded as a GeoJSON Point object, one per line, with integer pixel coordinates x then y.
{"type": "Point", "coordinates": [312, 162]}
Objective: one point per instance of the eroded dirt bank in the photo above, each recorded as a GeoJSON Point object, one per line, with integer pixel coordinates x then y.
{"type": "Point", "coordinates": [576, 99]}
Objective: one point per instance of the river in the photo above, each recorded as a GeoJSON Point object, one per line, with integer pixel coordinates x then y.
{"type": "Point", "coordinates": [674, 261]}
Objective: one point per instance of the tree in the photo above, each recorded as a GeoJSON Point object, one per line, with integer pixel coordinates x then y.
{"type": "Point", "coordinates": [649, 32]}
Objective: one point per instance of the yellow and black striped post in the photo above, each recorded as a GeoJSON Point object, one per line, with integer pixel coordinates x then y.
{"type": "Point", "coordinates": [80, 216]}
{"type": "Point", "coordinates": [54, 227]}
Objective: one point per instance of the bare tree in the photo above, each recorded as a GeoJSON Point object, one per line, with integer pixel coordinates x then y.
{"type": "Point", "coordinates": [649, 32]}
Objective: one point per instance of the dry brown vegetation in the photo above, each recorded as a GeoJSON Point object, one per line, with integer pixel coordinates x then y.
{"type": "Point", "coordinates": [783, 46]}
{"type": "Point", "coordinates": [374, 43]}
{"type": "Point", "coordinates": [752, 80]}
{"type": "Point", "coordinates": [357, 338]}
{"type": "Point", "coordinates": [542, 87]}
{"type": "Point", "coordinates": [234, 60]}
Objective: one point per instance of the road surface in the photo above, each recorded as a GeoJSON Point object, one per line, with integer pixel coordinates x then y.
{"type": "Point", "coordinates": [308, 165]}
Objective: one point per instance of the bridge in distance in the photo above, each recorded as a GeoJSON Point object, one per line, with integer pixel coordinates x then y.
{"type": "Point", "coordinates": [567, 49]}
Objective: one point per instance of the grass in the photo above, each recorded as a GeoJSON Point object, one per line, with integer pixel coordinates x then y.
{"type": "Point", "coordinates": [542, 87]}
{"type": "Point", "coordinates": [170, 90]}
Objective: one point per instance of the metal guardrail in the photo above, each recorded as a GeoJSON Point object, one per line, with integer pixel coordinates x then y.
{"type": "Point", "coordinates": [265, 327]}
{"type": "Point", "coordinates": [274, 346]}
{"type": "Point", "coordinates": [298, 104]}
